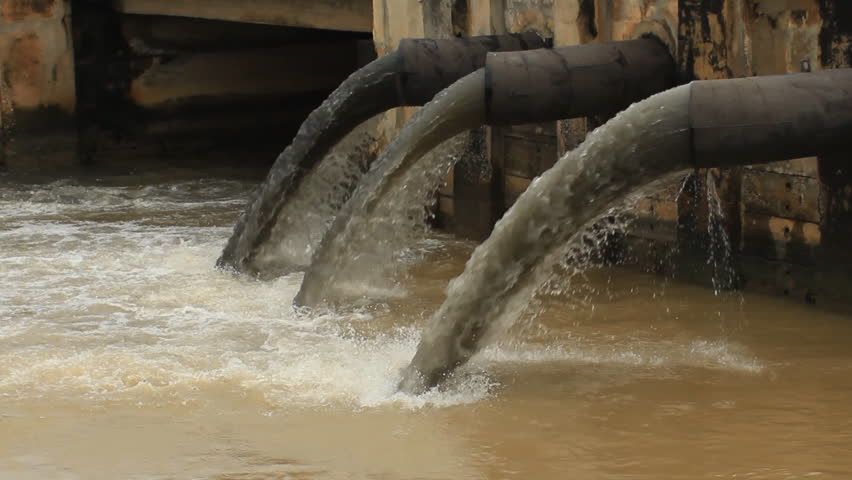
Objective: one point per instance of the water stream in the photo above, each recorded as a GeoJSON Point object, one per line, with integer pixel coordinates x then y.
{"type": "Point", "coordinates": [303, 220]}
{"type": "Point", "coordinates": [366, 93]}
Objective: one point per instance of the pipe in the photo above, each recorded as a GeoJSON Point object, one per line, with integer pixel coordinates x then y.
{"type": "Point", "coordinates": [585, 79]}
{"type": "Point", "coordinates": [410, 76]}
{"type": "Point", "coordinates": [713, 123]}
{"type": "Point", "coordinates": [429, 66]}
{"type": "Point", "coordinates": [575, 81]}
{"type": "Point", "coordinates": [765, 119]}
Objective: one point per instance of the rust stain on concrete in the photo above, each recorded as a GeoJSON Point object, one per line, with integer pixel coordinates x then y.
{"type": "Point", "coordinates": [17, 10]}
{"type": "Point", "coordinates": [23, 72]}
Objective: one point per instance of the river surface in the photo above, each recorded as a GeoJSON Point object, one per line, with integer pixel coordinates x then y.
{"type": "Point", "coordinates": [125, 355]}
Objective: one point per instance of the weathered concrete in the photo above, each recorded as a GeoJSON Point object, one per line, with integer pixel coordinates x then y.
{"type": "Point", "coordinates": [37, 89]}
{"type": "Point", "coordinates": [290, 70]}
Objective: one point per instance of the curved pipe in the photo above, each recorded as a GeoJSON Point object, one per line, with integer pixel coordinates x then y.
{"type": "Point", "coordinates": [580, 80]}
{"type": "Point", "coordinates": [714, 123]}
{"type": "Point", "coordinates": [592, 79]}
{"type": "Point", "coordinates": [410, 76]}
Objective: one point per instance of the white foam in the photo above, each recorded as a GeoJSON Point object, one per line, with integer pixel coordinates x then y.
{"type": "Point", "coordinates": [133, 312]}
{"type": "Point", "coordinates": [125, 311]}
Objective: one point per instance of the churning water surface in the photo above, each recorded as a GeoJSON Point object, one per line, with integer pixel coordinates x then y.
{"type": "Point", "coordinates": [125, 355]}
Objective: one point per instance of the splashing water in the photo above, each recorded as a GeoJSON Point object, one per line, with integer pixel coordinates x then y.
{"type": "Point", "coordinates": [118, 338]}
{"type": "Point", "coordinates": [720, 260]}
{"type": "Point", "coordinates": [110, 296]}
{"type": "Point", "coordinates": [360, 97]}
{"type": "Point", "coordinates": [302, 221]}
{"type": "Point", "coordinates": [646, 141]}
{"type": "Point", "coordinates": [363, 240]}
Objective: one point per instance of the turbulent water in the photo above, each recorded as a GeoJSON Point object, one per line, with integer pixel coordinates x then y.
{"type": "Point", "coordinates": [364, 240]}
{"type": "Point", "coordinates": [641, 144]}
{"type": "Point", "coordinates": [366, 93]}
{"type": "Point", "coordinates": [125, 355]}
{"type": "Point", "coordinates": [303, 220]}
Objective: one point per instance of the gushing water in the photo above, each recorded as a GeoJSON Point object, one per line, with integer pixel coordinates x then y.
{"type": "Point", "coordinates": [361, 96]}
{"type": "Point", "coordinates": [304, 219]}
{"type": "Point", "coordinates": [646, 141]}
{"type": "Point", "coordinates": [366, 235]}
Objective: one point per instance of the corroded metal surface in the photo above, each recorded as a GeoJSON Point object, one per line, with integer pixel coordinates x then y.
{"type": "Point", "coordinates": [566, 82]}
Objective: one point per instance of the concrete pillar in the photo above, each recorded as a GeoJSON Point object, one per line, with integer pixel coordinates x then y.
{"type": "Point", "coordinates": [468, 200]}
{"type": "Point", "coordinates": [394, 20]}
{"type": "Point", "coordinates": [486, 17]}
{"type": "Point", "coordinates": [835, 257]}
{"type": "Point", "coordinates": [37, 89]}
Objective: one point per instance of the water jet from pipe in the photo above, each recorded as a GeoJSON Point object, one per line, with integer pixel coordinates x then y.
{"type": "Point", "coordinates": [410, 76]}
{"type": "Point", "coordinates": [513, 88]}
{"type": "Point", "coordinates": [703, 124]}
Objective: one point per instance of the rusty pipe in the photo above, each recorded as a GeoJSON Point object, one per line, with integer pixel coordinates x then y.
{"type": "Point", "coordinates": [765, 119]}
{"type": "Point", "coordinates": [714, 123]}
{"type": "Point", "coordinates": [428, 66]}
{"type": "Point", "coordinates": [574, 81]}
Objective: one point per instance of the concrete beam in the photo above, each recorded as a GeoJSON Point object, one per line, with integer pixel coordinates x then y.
{"type": "Point", "coordinates": [346, 15]}
{"type": "Point", "coordinates": [291, 70]}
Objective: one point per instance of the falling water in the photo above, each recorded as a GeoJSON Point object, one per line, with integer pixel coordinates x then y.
{"type": "Point", "coordinates": [6, 117]}
{"type": "Point", "coordinates": [723, 274]}
{"type": "Point", "coordinates": [300, 224]}
{"type": "Point", "coordinates": [646, 141]}
{"type": "Point", "coordinates": [361, 96]}
{"type": "Point", "coordinates": [361, 242]}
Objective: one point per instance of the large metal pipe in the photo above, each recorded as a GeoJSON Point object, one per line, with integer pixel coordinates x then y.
{"type": "Point", "coordinates": [514, 88]}
{"type": "Point", "coordinates": [580, 80]}
{"type": "Point", "coordinates": [714, 123]}
{"type": "Point", "coordinates": [410, 76]}
{"type": "Point", "coordinates": [764, 119]}
{"type": "Point", "coordinates": [428, 66]}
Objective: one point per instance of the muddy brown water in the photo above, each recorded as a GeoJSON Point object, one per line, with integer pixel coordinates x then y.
{"type": "Point", "coordinates": [125, 355]}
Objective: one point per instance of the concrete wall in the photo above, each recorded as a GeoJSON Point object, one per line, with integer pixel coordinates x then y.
{"type": "Point", "coordinates": [153, 86]}
{"type": "Point", "coordinates": [787, 221]}
{"type": "Point", "coordinates": [128, 82]}
{"type": "Point", "coordinates": [37, 85]}
{"type": "Point", "coordinates": [150, 79]}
